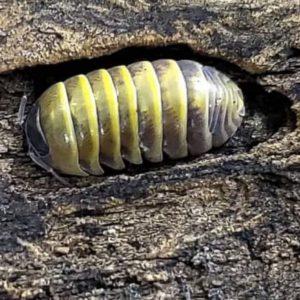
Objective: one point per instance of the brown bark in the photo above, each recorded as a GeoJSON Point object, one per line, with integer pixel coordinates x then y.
{"type": "Point", "coordinates": [224, 226]}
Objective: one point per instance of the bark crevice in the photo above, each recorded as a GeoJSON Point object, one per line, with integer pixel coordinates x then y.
{"type": "Point", "coordinates": [222, 226]}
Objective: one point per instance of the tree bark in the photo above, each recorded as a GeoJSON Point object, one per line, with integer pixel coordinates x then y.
{"type": "Point", "coordinates": [223, 226]}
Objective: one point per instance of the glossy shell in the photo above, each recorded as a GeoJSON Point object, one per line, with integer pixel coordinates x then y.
{"type": "Point", "coordinates": [133, 113]}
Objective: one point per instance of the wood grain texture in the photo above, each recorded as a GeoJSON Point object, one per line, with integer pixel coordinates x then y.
{"type": "Point", "coordinates": [224, 226]}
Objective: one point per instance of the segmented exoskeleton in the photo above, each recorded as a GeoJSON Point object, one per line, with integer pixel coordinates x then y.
{"type": "Point", "coordinates": [132, 113]}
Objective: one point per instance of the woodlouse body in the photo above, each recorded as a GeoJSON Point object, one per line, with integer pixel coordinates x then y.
{"type": "Point", "coordinates": [130, 113]}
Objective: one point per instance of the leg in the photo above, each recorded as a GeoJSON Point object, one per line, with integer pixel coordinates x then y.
{"type": "Point", "coordinates": [21, 111]}
{"type": "Point", "coordinates": [45, 166]}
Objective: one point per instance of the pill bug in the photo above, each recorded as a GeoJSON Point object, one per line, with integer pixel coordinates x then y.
{"type": "Point", "coordinates": [130, 113]}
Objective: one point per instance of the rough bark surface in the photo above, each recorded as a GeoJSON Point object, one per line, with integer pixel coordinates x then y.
{"type": "Point", "coordinates": [224, 226]}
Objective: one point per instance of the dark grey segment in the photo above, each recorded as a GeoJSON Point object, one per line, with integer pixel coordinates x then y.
{"type": "Point", "coordinates": [34, 133]}
{"type": "Point", "coordinates": [198, 133]}
{"type": "Point", "coordinates": [220, 136]}
{"type": "Point", "coordinates": [214, 95]}
{"type": "Point", "coordinates": [212, 99]}
{"type": "Point", "coordinates": [231, 111]}
{"type": "Point", "coordinates": [240, 95]}
{"type": "Point", "coordinates": [237, 119]}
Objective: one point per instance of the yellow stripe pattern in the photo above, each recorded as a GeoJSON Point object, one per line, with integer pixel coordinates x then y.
{"type": "Point", "coordinates": [85, 122]}
{"type": "Point", "coordinates": [127, 100]}
{"type": "Point", "coordinates": [149, 110]}
{"type": "Point", "coordinates": [108, 114]}
{"type": "Point", "coordinates": [57, 126]}
{"type": "Point", "coordinates": [174, 106]}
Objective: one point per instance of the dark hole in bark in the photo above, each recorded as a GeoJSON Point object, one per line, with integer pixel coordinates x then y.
{"type": "Point", "coordinates": [266, 113]}
{"type": "Point", "coordinates": [46, 75]}
{"type": "Point", "coordinates": [293, 52]}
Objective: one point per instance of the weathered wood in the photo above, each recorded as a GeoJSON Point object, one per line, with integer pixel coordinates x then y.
{"type": "Point", "coordinates": [224, 226]}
